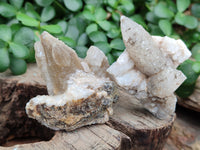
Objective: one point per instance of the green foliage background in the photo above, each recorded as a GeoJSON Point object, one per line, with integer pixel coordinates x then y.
{"type": "Point", "coordinates": [81, 23]}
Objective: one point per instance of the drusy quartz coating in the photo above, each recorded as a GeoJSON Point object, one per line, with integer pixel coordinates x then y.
{"type": "Point", "coordinates": [147, 68]}
{"type": "Point", "coordinates": [80, 93]}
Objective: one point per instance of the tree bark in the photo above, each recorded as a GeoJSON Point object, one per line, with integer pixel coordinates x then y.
{"type": "Point", "coordinates": [131, 127]}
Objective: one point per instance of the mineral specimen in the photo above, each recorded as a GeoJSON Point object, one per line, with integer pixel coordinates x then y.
{"type": "Point", "coordinates": [79, 92]}
{"type": "Point", "coordinates": [147, 68]}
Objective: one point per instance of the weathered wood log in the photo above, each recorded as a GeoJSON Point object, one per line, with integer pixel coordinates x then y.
{"type": "Point", "coordinates": [14, 94]}
{"type": "Point", "coordinates": [185, 133]}
{"type": "Point", "coordinates": [193, 101]}
{"type": "Point", "coordinates": [145, 131]}
{"type": "Point", "coordinates": [100, 137]}
{"type": "Point", "coordinates": [137, 128]}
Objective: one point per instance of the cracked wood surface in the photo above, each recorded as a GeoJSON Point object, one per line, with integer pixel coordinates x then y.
{"type": "Point", "coordinates": [131, 127]}
{"type": "Point", "coordinates": [99, 137]}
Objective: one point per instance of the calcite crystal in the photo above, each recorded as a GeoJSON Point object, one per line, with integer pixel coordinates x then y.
{"type": "Point", "coordinates": [147, 68]}
{"type": "Point", "coordinates": [79, 92]}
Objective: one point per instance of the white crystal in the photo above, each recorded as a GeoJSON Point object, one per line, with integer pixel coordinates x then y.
{"type": "Point", "coordinates": [164, 83]}
{"type": "Point", "coordinates": [147, 68]}
{"type": "Point", "coordinates": [142, 48]}
{"type": "Point", "coordinates": [124, 73]}
{"type": "Point", "coordinates": [176, 50]}
{"type": "Point", "coordinates": [97, 61]}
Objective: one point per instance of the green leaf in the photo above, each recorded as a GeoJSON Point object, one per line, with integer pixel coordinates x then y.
{"type": "Point", "coordinates": [30, 11]}
{"type": "Point", "coordinates": [103, 46]}
{"type": "Point", "coordinates": [113, 3]}
{"type": "Point", "coordinates": [116, 53]}
{"type": "Point", "coordinates": [2, 44]}
{"type": "Point", "coordinates": [117, 44]}
{"type": "Point", "coordinates": [100, 14]}
{"type": "Point", "coordinates": [7, 10]}
{"type": "Point", "coordinates": [5, 33]}
{"type": "Point", "coordinates": [26, 20]}
{"type": "Point", "coordinates": [151, 17]}
{"type": "Point", "coordinates": [182, 5]}
{"type": "Point", "coordinates": [139, 19]}
{"type": "Point", "coordinates": [15, 28]}
{"type": "Point", "coordinates": [17, 66]}
{"type": "Point", "coordinates": [25, 36]}
{"type": "Point", "coordinates": [196, 67]}
{"type": "Point", "coordinates": [90, 8]}
{"type": "Point", "coordinates": [172, 6]}
{"type": "Point", "coordinates": [185, 91]}
{"type": "Point", "coordinates": [111, 59]}
{"type": "Point", "coordinates": [186, 68]}
{"type": "Point", "coordinates": [188, 21]}
{"type": "Point", "coordinates": [196, 10]}
{"type": "Point", "coordinates": [109, 9]}
{"type": "Point", "coordinates": [162, 11]}
{"type": "Point", "coordinates": [47, 13]}
{"type": "Point", "coordinates": [83, 39]}
{"type": "Point", "coordinates": [44, 3]}
{"type": "Point", "coordinates": [96, 3]}
{"type": "Point", "coordinates": [180, 18]}
{"type": "Point", "coordinates": [81, 24]}
{"type": "Point", "coordinates": [12, 21]}
{"type": "Point", "coordinates": [113, 33]}
{"type": "Point", "coordinates": [165, 26]}
{"type": "Point", "coordinates": [126, 7]}
{"type": "Point", "coordinates": [19, 50]}
{"type": "Point", "coordinates": [68, 41]}
{"type": "Point", "coordinates": [73, 5]}
{"type": "Point", "coordinates": [91, 28]}
{"type": "Point", "coordinates": [72, 32]}
{"type": "Point", "coordinates": [4, 60]}
{"type": "Point", "coordinates": [97, 36]}
{"type": "Point", "coordinates": [81, 51]}
{"type": "Point", "coordinates": [88, 15]}
{"type": "Point", "coordinates": [196, 51]}
{"type": "Point", "coordinates": [105, 25]}
{"type": "Point", "coordinates": [52, 28]}
{"type": "Point", "coordinates": [116, 16]}
{"type": "Point", "coordinates": [16, 3]}
{"type": "Point", "coordinates": [191, 22]}
{"type": "Point", "coordinates": [155, 30]}
{"type": "Point", "coordinates": [31, 57]}
{"type": "Point", "coordinates": [63, 24]}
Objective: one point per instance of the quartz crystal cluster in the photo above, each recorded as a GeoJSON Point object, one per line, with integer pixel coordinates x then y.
{"type": "Point", "coordinates": [80, 92]}
{"type": "Point", "coordinates": [147, 68]}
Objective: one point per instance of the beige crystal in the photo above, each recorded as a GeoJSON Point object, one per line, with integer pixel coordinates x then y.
{"type": "Point", "coordinates": [79, 92]}
{"type": "Point", "coordinates": [147, 68]}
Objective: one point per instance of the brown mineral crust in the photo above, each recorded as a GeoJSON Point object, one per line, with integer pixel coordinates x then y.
{"type": "Point", "coordinates": [75, 113]}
